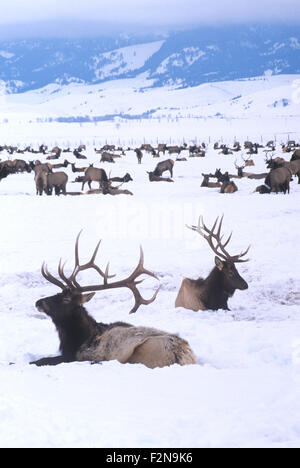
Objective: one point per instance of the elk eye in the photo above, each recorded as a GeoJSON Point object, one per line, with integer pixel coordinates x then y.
{"type": "Point", "coordinates": [67, 299]}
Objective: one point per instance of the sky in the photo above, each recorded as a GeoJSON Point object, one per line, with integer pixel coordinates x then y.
{"type": "Point", "coordinates": [76, 17]}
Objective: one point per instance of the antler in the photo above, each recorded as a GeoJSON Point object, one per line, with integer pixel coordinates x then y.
{"type": "Point", "coordinates": [131, 282]}
{"type": "Point", "coordinates": [212, 235]}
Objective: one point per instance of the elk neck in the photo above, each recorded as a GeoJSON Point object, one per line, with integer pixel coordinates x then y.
{"type": "Point", "coordinates": [215, 294]}
{"type": "Point", "coordinates": [74, 330]}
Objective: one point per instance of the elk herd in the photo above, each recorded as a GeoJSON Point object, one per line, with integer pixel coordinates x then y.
{"type": "Point", "coordinates": [51, 178]}
{"type": "Point", "coordinates": [81, 337]}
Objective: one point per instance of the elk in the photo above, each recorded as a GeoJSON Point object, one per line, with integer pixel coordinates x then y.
{"type": "Point", "coordinates": [206, 183]}
{"type": "Point", "coordinates": [139, 155]}
{"type": "Point", "coordinates": [155, 178]}
{"type": "Point", "coordinates": [78, 169]}
{"type": "Point", "coordinates": [58, 182]}
{"type": "Point", "coordinates": [126, 178]}
{"type": "Point", "coordinates": [84, 339]}
{"type": "Point", "coordinates": [295, 155]}
{"type": "Point", "coordinates": [41, 172]}
{"type": "Point", "coordinates": [78, 154]}
{"type": "Point", "coordinates": [96, 175]}
{"type": "Point", "coordinates": [228, 187]}
{"type": "Point", "coordinates": [161, 147]}
{"type": "Point", "coordinates": [163, 166]}
{"type": "Point", "coordinates": [106, 157]}
{"type": "Point", "coordinates": [213, 292]}
{"type": "Point", "coordinates": [278, 180]}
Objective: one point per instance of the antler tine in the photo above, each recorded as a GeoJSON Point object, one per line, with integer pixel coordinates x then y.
{"type": "Point", "coordinates": [202, 228]}
{"type": "Point", "coordinates": [47, 275]}
{"type": "Point", "coordinates": [237, 258]}
{"type": "Point", "coordinates": [131, 283]}
{"type": "Point", "coordinates": [139, 300]}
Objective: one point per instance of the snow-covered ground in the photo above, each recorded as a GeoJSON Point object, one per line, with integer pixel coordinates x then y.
{"type": "Point", "coordinates": [245, 388]}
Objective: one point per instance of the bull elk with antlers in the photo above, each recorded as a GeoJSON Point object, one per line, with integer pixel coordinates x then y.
{"type": "Point", "coordinates": [84, 339]}
{"type": "Point", "coordinates": [213, 292]}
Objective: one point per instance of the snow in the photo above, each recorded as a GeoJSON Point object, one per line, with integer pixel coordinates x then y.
{"type": "Point", "coordinates": [123, 60]}
{"type": "Point", "coordinates": [244, 390]}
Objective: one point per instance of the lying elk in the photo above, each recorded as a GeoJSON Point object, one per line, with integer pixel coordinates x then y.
{"type": "Point", "coordinates": [213, 292]}
{"type": "Point", "coordinates": [229, 187]}
{"type": "Point", "coordinates": [77, 169]}
{"type": "Point", "coordinates": [106, 157]}
{"type": "Point", "coordinates": [278, 180]}
{"type": "Point", "coordinates": [127, 178]}
{"type": "Point", "coordinates": [206, 183]}
{"type": "Point", "coordinates": [84, 339]}
{"type": "Point", "coordinates": [78, 154]}
{"type": "Point", "coordinates": [155, 178]}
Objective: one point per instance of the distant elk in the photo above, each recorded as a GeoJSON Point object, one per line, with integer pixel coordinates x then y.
{"type": "Point", "coordinates": [139, 155]}
{"type": "Point", "coordinates": [278, 180]}
{"type": "Point", "coordinates": [58, 182]}
{"type": "Point", "coordinates": [213, 292]}
{"type": "Point", "coordinates": [78, 154]}
{"type": "Point", "coordinates": [161, 147]}
{"type": "Point", "coordinates": [293, 166]}
{"type": "Point", "coordinates": [126, 178]}
{"type": "Point", "coordinates": [20, 165]}
{"type": "Point", "coordinates": [107, 157]}
{"type": "Point", "coordinates": [93, 174]}
{"type": "Point", "coordinates": [5, 170]}
{"type": "Point", "coordinates": [84, 339]}
{"type": "Point", "coordinates": [206, 183]}
{"type": "Point", "coordinates": [155, 178]}
{"type": "Point", "coordinates": [175, 149]}
{"type": "Point", "coordinates": [78, 169]}
{"type": "Point", "coordinates": [41, 172]}
{"type": "Point", "coordinates": [162, 167]}
{"type": "Point", "coordinates": [229, 187]}
{"type": "Point", "coordinates": [295, 155]}
{"type": "Point", "coordinates": [147, 147]}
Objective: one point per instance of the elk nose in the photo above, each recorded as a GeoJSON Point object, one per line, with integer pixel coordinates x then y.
{"type": "Point", "coordinates": [40, 306]}
{"type": "Point", "coordinates": [244, 285]}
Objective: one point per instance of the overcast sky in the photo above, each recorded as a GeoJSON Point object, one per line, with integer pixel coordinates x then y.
{"type": "Point", "coordinates": [149, 14]}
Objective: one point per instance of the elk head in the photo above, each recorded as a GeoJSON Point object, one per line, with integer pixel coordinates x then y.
{"type": "Point", "coordinates": [225, 263]}
{"type": "Point", "coordinates": [239, 169]}
{"type": "Point", "coordinates": [74, 295]}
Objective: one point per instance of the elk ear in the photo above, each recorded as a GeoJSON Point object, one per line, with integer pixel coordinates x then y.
{"type": "Point", "coordinates": [219, 263]}
{"type": "Point", "coordinates": [86, 297]}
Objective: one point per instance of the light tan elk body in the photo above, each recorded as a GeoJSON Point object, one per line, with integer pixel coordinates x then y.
{"type": "Point", "coordinates": [84, 339]}
{"type": "Point", "coordinates": [213, 292]}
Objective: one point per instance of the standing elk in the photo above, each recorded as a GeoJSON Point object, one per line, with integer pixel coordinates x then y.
{"type": "Point", "coordinates": [213, 292]}
{"type": "Point", "coordinates": [84, 339]}
{"type": "Point", "coordinates": [41, 172]}
{"type": "Point", "coordinates": [58, 182]}
{"type": "Point", "coordinates": [162, 167]}
{"type": "Point", "coordinates": [93, 174]}
{"type": "Point", "coordinates": [139, 155]}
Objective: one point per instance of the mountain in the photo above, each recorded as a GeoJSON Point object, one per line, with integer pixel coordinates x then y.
{"type": "Point", "coordinates": [182, 59]}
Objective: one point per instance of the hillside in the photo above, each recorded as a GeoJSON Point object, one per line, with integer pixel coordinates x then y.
{"type": "Point", "coordinates": [182, 59]}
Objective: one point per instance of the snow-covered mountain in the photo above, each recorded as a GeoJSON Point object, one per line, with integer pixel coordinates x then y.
{"type": "Point", "coordinates": [188, 58]}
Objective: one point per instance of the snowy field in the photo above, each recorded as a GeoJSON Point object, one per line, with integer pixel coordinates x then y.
{"type": "Point", "coordinates": [244, 390]}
